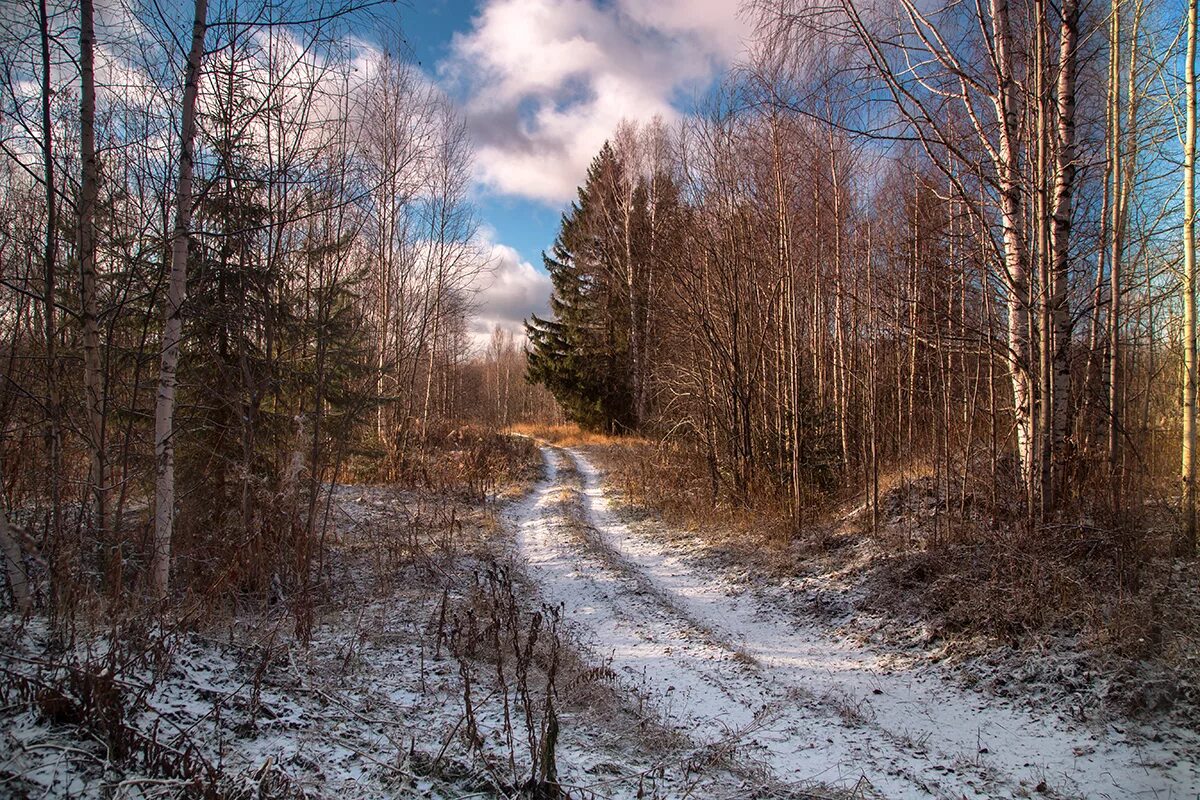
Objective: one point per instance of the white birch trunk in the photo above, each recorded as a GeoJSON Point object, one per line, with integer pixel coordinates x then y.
{"type": "Point", "coordinates": [1064, 184]}
{"type": "Point", "coordinates": [164, 411]}
{"type": "Point", "coordinates": [1114, 191]}
{"type": "Point", "coordinates": [1016, 276]}
{"type": "Point", "coordinates": [1188, 448]}
{"type": "Point", "coordinates": [88, 188]}
{"type": "Point", "coordinates": [14, 566]}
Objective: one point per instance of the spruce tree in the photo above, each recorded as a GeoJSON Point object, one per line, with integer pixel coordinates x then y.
{"type": "Point", "coordinates": [582, 354]}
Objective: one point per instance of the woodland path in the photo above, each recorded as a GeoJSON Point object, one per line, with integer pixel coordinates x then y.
{"type": "Point", "coordinates": [732, 673]}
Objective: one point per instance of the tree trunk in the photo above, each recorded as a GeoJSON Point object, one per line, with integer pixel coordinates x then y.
{"type": "Point", "coordinates": [1123, 179]}
{"type": "Point", "coordinates": [634, 300]}
{"type": "Point", "coordinates": [1114, 191]}
{"type": "Point", "coordinates": [1188, 460]}
{"type": "Point", "coordinates": [164, 410]}
{"type": "Point", "coordinates": [93, 379]}
{"type": "Point", "coordinates": [1043, 333]}
{"type": "Point", "coordinates": [841, 387]}
{"type": "Point", "coordinates": [433, 342]}
{"type": "Point", "coordinates": [14, 565]}
{"type": "Point", "coordinates": [60, 553]}
{"type": "Point", "coordinates": [1064, 184]}
{"type": "Point", "coordinates": [1016, 277]}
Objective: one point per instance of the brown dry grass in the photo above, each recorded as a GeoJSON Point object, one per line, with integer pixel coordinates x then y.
{"type": "Point", "coordinates": [568, 435]}
{"type": "Point", "coordinates": [950, 574]}
{"type": "Point", "coordinates": [672, 483]}
{"type": "Point", "coordinates": [472, 461]}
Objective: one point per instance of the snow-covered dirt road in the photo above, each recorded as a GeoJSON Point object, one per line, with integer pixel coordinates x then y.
{"type": "Point", "coordinates": [732, 673]}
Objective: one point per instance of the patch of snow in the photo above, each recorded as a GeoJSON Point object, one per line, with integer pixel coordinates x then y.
{"type": "Point", "coordinates": [722, 666]}
{"type": "Point", "coordinates": [371, 708]}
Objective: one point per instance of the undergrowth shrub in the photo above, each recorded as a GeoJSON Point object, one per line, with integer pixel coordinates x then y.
{"type": "Point", "coordinates": [470, 461]}
{"type": "Point", "coordinates": [524, 649]}
{"type": "Point", "coordinates": [955, 553]}
{"type": "Point", "coordinates": [96, 700]}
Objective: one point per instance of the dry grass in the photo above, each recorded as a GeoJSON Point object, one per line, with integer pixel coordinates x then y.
{"type": "Point", "coordinates": [471, 461]}
{"type": "Point", "coordinates": [672, 483]}
{"type": "Point", "coordinates": [396, 556]}
{"type": "Point", "coordinates": [568, 435]}
{"type": "Point", "coordinates": [952, 575]}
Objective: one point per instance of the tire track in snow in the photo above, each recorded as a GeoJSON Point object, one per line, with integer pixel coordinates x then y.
{"type": "Point", "coordinates": [615, 613]}
{"type": "Point", "coordinates": [704, 687]}
{"type": "Point", "coordinates": [809, 709]}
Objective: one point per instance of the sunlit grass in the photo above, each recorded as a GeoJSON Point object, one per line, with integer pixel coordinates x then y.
{"type": "Point", "coordinates": [570, 435]}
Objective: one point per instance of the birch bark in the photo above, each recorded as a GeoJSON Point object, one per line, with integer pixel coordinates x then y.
{"type": "Point", "coordinates": [93, 380]}
{"type": "Point", "coordinates": [1188, 448]}
{"type": "Point", "coordinates": [1011, 207]}
{"type": "Point", "coordinates": [1064, 184]}
{"type": "Point", "coordinates": [14, 565]}
{"type": "Point", "coordinates": [164, 410]}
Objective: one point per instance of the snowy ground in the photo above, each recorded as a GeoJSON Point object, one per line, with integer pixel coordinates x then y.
{"type": "Point", "coordinates": [374, 706]}
{"type": "Point", "coordinates": [728, 670]}
{"type": "Point", "coordinates": [673, 680]}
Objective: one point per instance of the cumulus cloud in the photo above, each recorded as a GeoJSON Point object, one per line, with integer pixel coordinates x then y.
{"type": "Point", "coordinates": [507, 294]}
{"type": "Point", "coordinates": [545, 82]}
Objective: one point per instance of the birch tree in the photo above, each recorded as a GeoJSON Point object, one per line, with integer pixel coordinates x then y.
{"type": "Point", "coordinates": [88, 188]}
{"type": "Point", "coordinates": [164, 410]}
{"type": "Point", "coordinates": [1062, 214]}
{"type": "Point", "coordinates": [1188, 461]}
{"type": "Point", "coordinates": [981, 91]}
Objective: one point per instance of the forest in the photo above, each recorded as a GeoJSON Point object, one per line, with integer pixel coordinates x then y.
{"type": "Point", "coordinates": [875, 246]}
{"type": "Point", "coordinates": [852, 453]}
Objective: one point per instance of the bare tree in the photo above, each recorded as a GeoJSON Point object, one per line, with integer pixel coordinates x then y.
{"type": "Point", "coordinates": [93, 377]}
{"type": "Point", "coordinates": [1062, 213]}
{"type": "Point", "coordinates": [164, 410]}
{"type": "Point", "coordinates": [1188, 465]}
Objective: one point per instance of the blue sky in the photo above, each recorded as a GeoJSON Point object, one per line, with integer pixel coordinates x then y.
{"type": "Point", "coordinates": [542, 84]}
{"type": "Point", "coordinates": [528, 226]}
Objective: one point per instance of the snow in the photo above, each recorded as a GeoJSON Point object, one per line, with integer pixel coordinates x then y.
{"type": "Point", "coordinates": [698, 687]}
{"type": "Point", "coordinates": [727, 669]}
{"type": "Point", "coordinates": [372, 707]}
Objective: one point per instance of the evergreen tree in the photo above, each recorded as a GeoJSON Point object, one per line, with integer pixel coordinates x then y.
{"type": "Point", "coordinates": [582, 355]}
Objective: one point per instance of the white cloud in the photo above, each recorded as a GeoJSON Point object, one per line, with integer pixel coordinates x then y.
{"type": "Point", "coordinates": [508, 294]}
{"type": "Point", "coordinates": [545, 82]}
